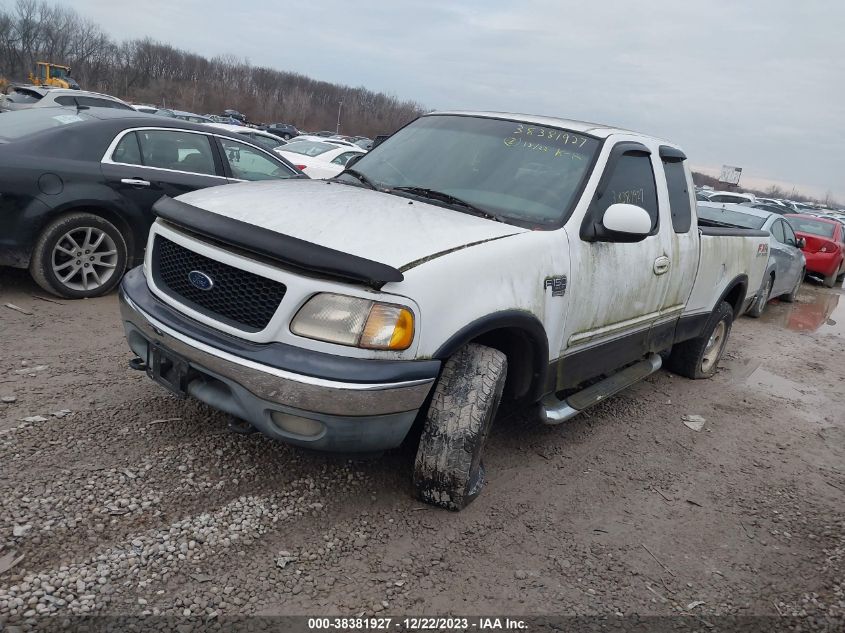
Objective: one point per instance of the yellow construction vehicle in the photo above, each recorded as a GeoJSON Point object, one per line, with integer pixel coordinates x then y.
{"type": "Point", "coordinates": [55, 75]}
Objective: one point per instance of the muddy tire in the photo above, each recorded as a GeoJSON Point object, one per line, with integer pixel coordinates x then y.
{"type": "Point", "coordinates": [79, 255]}
{"type": "Point", "coordinates": [699, 357]}
{"type": "Point", "coordinates": [790, 296]}
{"type": "Point", "coordinates": [759, 306]}
{"type": "Point", "coordinates": [829, 281]}
{"type": "Point", "coordinates": [448, 471]}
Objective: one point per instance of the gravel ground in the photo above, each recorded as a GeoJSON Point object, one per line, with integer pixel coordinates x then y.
{"type": "Point", "coordinates": [118, 498]}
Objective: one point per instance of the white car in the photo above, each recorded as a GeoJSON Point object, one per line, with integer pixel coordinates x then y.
{"type": "Point", "coordinates": [318, 159]}
{"type": "Point", "coordinates": [473, 258]}
{"type": "Point", "coordinates": [738, 198]}
{"type": "Point", "coordinates": [324, 139]}
{"type": "Point", "coordinates": [23, 97]}
{"type": "Point", "coordinates": [259, 137]}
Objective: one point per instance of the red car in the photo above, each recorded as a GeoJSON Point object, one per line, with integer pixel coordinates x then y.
{"type": "Point", "coordinates": [824, 247]}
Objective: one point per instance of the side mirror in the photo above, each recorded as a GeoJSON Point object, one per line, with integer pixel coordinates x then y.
{"type": "Point", "coordinates": [626, 222]}
{"type": "Point", "coordinates": [353, 159]}
{"type": "Point", "coordinates": [802, 243]}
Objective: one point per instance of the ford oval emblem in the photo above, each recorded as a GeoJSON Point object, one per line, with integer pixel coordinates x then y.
{"type": "Point", "coordinates": [200, 280]}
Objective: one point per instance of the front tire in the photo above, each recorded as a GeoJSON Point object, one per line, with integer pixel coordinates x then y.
{"type": "Point", "coordinates": [790, 297]}
{"type": "Point", "coordinates": [756, 310]}
{"type": "Point", "coordinates": [448, 471]}
{"type": "Point", "coordinates": [79, 255]}
{"type": "Point", "coordinates": [699, 357]}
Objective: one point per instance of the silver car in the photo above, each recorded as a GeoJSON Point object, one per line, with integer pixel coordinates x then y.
{"type": "Point", "coordinates": [786, 267]}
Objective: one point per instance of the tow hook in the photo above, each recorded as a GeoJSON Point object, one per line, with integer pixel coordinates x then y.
{"type": "Point", "coordinates": [241, 427]}
{"type": "Point", "coordinates": [138, 364]}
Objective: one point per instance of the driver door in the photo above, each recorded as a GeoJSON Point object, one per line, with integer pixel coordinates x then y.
{"type": "Point", "coordinates": [617, 289]}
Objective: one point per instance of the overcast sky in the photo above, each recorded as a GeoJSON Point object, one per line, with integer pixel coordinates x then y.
{"type": "Point", "coordinates": [758, 84]}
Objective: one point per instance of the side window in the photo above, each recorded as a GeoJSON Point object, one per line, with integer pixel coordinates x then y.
{"type": "Point", "coordinates": [342, 159]}
{"type": "Point", "coordinates": [128, 151]}
{"type": "Point", "coordinates": [631, 182]}
{"type": "Point", "coordinates": [180, 151]}
{"type": "Point", "coordinates": [67, 101]}
{"type": "Point", "coordinates": [676, 181]}
{"type": "Point", "coordinates": [248, 163]}
{"type": "Point", "coordinates": [789, 234]}
{"type": "Point", "coordinates": [777, 232]}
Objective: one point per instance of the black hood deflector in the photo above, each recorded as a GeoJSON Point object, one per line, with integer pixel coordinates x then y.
{"type": "Point", "coordinates": [284, 249]}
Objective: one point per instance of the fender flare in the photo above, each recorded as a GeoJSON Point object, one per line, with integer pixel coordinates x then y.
{"type": "Point", "coordinates": [739, 280]}
{"type": "Point", "coordinates": [524, 322]}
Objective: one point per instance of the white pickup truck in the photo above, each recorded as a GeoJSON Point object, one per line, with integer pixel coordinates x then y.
{"type": "Point", "coordinates": [471, 259]}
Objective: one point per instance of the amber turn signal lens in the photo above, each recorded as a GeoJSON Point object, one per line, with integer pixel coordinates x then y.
{"type": "Point", "coordinates": [388, 327]}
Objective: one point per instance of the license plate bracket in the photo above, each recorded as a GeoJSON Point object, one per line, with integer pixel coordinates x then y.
{"type": "Point", "coordinates": [168, 370]}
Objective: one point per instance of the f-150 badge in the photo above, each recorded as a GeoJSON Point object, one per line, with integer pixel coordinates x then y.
{"type": "Point", "coordinates": [557, 284]}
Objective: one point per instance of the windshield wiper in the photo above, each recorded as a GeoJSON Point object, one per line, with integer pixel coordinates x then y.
{"type": "Point", "coordinates": [360, 177]}
{"type": "Point", "coordinates": [448, 198]}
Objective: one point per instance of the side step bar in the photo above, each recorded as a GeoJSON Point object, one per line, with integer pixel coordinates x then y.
{"type": "Point", "coordinates": [554, 411]}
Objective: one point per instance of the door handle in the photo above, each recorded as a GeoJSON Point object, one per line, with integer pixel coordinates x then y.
{"type": "Point", "coordinates": [661, 265]}
{"type": "Point", "coordinates": [135, 182]}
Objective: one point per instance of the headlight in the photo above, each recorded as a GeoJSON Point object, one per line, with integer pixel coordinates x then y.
{"type": "Point", "coordinates": [354, 321]}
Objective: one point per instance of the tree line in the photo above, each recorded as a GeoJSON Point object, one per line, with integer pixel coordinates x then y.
{"type": "Point", "coordinates": [147, 71]}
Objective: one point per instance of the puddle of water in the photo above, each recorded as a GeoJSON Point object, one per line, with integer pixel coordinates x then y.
{"type": "Point", "coordinates": [777, 385]}
{"type": "Point", "coordinates": [816, 309]}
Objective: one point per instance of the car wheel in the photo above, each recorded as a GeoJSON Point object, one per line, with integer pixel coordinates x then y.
{"type": "Point", "coordinates": [699, 357]}
{"type": "Point", "coordinates": [287, 137]}
{"type": "Point", "coordinates": [448, 471]}
{"type": "Point", "coordinates": [79, 255]}
{"type": "Point", "coordinates": [829, 281]}
{"type": "Point", "coordinates": [790, 297]}
{"type": "Point", "coordinates": [759, 306]}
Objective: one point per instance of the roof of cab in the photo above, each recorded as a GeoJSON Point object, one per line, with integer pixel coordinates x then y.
{"type": "Point", "coordinates": [598, 130]}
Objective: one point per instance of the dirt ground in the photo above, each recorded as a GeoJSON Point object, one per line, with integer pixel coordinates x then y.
{"type": "Point", "coordinates": [124, 499]}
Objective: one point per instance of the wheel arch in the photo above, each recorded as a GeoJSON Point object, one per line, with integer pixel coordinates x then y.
{"type": "Point", "coordinates": [735, 294]}
{"type": "Point", "coordinates": [98, 208]}
{"type": "Point", "coordinates": [521, 337]}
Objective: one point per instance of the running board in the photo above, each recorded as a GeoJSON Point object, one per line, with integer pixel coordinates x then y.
{"type": "Point", "coordinates": [554, 411]}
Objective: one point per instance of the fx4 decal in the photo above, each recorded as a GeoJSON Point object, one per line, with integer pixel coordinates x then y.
{"type": "Point", "coordinates": [557, 284]}
{"type": "Point", "coordinates": [762, 250]}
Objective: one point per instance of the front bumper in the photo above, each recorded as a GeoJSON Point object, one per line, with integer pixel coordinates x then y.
{"type": "Point", "coordinates": [250, 382]}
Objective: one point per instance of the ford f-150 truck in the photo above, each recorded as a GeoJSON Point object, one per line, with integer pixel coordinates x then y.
{"type": "Point", "coordinates": [470, 259]}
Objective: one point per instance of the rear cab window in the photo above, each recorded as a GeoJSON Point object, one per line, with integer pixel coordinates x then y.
{"type": "Point", "coordinates": [678, 186]}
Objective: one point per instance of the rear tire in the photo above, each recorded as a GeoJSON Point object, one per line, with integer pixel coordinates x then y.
{"type": "Point", "coordinates": [79, 255]}
{"type": "Point", "coordinates": [699, 357]}
{"type": "Point", "coordinates": [448, 471]}
{"type": "Point", "coordinates": [759, 305]}
{"type": "Point", "coordinates": [830, 280]}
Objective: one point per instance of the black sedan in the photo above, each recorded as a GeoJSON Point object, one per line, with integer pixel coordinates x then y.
{"type": "Point", "coordinates": [77, 187]}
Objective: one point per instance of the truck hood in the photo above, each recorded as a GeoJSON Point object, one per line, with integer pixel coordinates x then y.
{"type": "Point", "coordinates": [370, 224]}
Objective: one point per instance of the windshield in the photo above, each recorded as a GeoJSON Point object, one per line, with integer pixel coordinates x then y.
{"type": "Point", "coordinates": [309, 148]}
{"type": "Point", "coordinates": [731, 218]}
{"type": "Point", "coordinates": [525, 174]}
{"type": "Point", "coordinates": [814, 227]}
{"type": "Point", "coordinates": [15, 125]}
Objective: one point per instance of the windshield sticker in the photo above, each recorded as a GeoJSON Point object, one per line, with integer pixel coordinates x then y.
{"type": "Point", "coordinates": [65, 119]}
